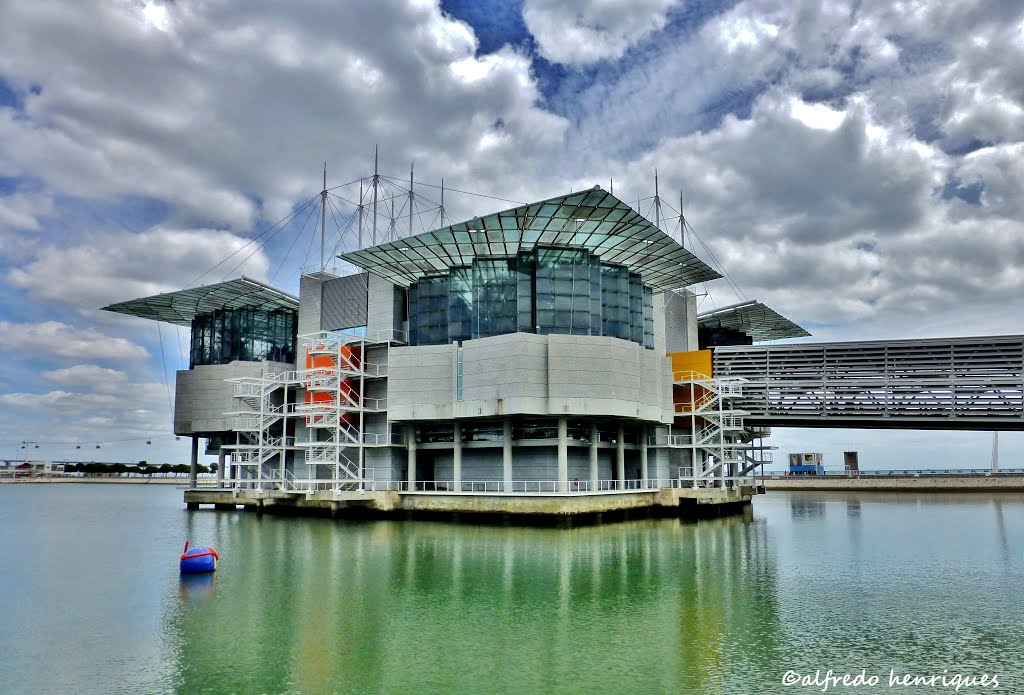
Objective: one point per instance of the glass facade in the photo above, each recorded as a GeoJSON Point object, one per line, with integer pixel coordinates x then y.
{"type": "Point", "coordinates": [550, 290]}
{"type": "Point", "coordinates": [563, 291]}
{"type": "Point", "coordinates": [254, 335]}
{"type": "Point", "coordinates": [429, 311]}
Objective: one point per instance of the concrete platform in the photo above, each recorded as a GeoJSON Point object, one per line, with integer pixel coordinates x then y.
{"type": "Point", "coordinates": [909, 483]}
{"type": "Point", "coordinates": [512, 507]}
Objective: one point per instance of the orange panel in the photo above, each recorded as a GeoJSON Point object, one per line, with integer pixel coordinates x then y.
{"type": "Point", "coordinates": [684, 396]}
{"type": "Point", "coordinates": [351, 354]}
{"type": "Point", "coordinates": [698, 361]}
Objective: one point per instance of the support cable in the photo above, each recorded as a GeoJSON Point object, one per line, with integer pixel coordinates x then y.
{"type": "Point", "coordinates": [163, 360]}
{"type": "Point", "coordinates": [251, 241]}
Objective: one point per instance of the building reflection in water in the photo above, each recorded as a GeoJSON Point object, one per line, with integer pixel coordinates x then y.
{"type": "Point", "coordinates": [806, 506]}
{"type": "Point", "coordinates": [309, 605]}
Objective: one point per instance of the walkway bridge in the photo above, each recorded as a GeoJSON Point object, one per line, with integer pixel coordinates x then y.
{"type": "Point", "coordinates": [946, 383]}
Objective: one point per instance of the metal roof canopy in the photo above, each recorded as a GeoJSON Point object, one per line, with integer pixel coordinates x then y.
{"type": "Point", "coordinates": [593, 219]}
{"type": "Point", "coordinates": [755, 319]}
{"type": "Point", "coordinates": [182, 306]}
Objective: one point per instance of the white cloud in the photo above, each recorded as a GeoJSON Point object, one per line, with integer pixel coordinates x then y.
{"type": "Point", "coordinates": [91, 375]}
{"type": "Point", "coordinates": [21, 211]}
{"type": "Point", "coordinates": [56, 339]}
{"type": "Point", "coordinates": [117, 266]}
{"type": "Point", "coordinates": [230, 110]}
{"type": "Point", "coordinates": [581, 32]}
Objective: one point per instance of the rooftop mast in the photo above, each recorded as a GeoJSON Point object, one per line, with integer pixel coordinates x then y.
{"type": "Point", "coordinates": [323, 219]}
{"type": "Point", "coordinates": [657, 202]}
{"type": "Point", "coordinates": [682, 221]}
{"type": "Point", "coordinates": [376, 180]}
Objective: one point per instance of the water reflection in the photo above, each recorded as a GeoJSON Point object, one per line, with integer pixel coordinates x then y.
{"type": "Point", "coordinates": [310, 605]}
{"type": "Point", "coordinates": [810, 580]}
{"type": "Point", "coordinates": [198, 586]}
{"type": "Point", "coordinates": [806, 507]}
{"type": "Point", "coordinates": [919, 583]}
{"type": "Point", "coordinates": [853, 508]}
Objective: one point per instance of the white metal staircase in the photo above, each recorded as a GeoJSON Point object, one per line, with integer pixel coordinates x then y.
{"type": "Point", "coordinates": [716, 452]}
{"type": "Point", "coordinates": [334, 380]}
{"type": "Point", "coordinates": [259, 427]}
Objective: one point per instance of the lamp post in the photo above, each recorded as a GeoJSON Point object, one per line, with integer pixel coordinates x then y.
{"type": "Point", "coordinates": [26, 445]}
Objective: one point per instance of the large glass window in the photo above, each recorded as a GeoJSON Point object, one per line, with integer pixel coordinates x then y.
{"type": "Point", "coordinates": [615, 301]}
{"type": "Point", "coordinates": [636, 309]}
{"type": "Point", "coordinates": [252, 335]}
{"type": "Point", "coordinates": [428, 311]}
{"type": "Point", "coordinates": [526, 313]}
{"type": "Point", "coordinates": [547, 290]}
{"type": "Point", "coordinates": [460, 305]}
{"type": "Point", "coordinates": [648, 318]}
{"type": "Point", "coordinates": [563, 291]}
{"type": "Point", "coordinates": [495, 285]}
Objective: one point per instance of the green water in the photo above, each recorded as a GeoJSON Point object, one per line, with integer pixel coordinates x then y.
{"type": "Point", "coordinates": [92, 600]}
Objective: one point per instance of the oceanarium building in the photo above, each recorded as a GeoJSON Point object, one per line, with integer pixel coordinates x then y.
{"type": "Point", "coordinates": [551, 349]}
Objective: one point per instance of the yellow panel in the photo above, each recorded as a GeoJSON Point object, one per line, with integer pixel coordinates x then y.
{"type": "Point", "coordinates": [698, 361]}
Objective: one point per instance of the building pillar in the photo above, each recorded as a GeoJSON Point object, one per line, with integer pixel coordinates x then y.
{"type": "Point", "coordinates": [410, 443]}
{"type": "Point", "coordinates": [620, 457]}
{"type": "Point", "coordinates": [643, 455]}
{"type": "Point", "coordinates": [193, 469]}
{"type": "Point", "coordinates": [221, 458]}
{"type": "Point", "coordinates": [506, 455]}
{"type": "Point", "coordinates": [457, 456]}
{"type": "Point", "coordinates": [594, 436]}
{"type": "Point", "coordinates": [563, 455]}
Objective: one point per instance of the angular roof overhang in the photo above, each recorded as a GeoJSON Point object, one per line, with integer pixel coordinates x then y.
{"type": "Point", "coordinates": [182, 306]}
{"type": "Point", "coordinates": [753, 318]}
{"type": "Point", "coordinates": [593, 219]}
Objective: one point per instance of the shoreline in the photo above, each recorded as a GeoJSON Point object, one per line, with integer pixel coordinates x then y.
{"type": "Point", "coordinates": [115, 481]}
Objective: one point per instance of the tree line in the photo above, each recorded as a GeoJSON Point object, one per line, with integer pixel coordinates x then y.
{"type": "Point", "coordinates": [140, 469]}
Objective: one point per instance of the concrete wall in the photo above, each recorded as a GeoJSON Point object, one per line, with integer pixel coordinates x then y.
{"type": "Point", "coordinates": [504, 374]}
{"type": "Point", "coordinates": [527, 374]}
{"type": "Point", "coordinates": [421, 382]}
{"type": "Point", "coordinates": [528, 463]}
{"type": "Point", "coordinates": [202, 395]}
{"type": "Point", "coordinates": [387, 464]}
{"type": "Point", "coordinates": [679, 320]}
{"type": "Point", "coordinates": [383, 309]}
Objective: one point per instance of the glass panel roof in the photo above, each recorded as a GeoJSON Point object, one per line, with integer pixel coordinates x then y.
{"type": "Point", "coordinates": [755, 319]}
{"type": "Point", "coordinates": [594, 219]}
{"type": "Point", "coordinates": [182, 306]}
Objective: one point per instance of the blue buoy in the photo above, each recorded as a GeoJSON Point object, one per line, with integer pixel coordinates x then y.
{"type": "Point", "coordinates": [200, 559]}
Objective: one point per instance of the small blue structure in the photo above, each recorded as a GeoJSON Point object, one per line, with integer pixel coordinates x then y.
{"type": "Point", "coordinates": [199, 559]}
{"type": "Point", "coordinates": [805, 464]}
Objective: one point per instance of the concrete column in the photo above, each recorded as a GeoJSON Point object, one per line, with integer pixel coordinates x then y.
{"type": "Point", "coordinates": [620, 457]}
{"type": "Point", "coordinates": [410, 442]}
{"type": "Point", "coordinates": [221, 457]}
{"type": "Point", "coordinates": [457, 456]}
{"type": "Point", "coordinates": [643, 454]}
{"type": "Point", "coordinates": [193, 470]}
{"type": "Point", "coordinates": [563, 455]}
{"type": "Point", "coordinates": [593, 456]}
{"type": "Point", "coordinates": [506, 455]}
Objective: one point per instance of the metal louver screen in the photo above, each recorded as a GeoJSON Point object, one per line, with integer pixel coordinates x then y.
{"type": "Point", "coordinates": [344, 303]}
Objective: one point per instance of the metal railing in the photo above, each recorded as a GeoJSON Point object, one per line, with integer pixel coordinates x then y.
{"type": "Point", "coordinates": [554, 486]}
{"type": "Point", "coordinates": [682, 440]}
{"type": "Point", "coordinates": [902, 472]}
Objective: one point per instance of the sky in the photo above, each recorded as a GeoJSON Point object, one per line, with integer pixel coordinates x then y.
{"type": "Point", "coordinates": [854, 165]}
